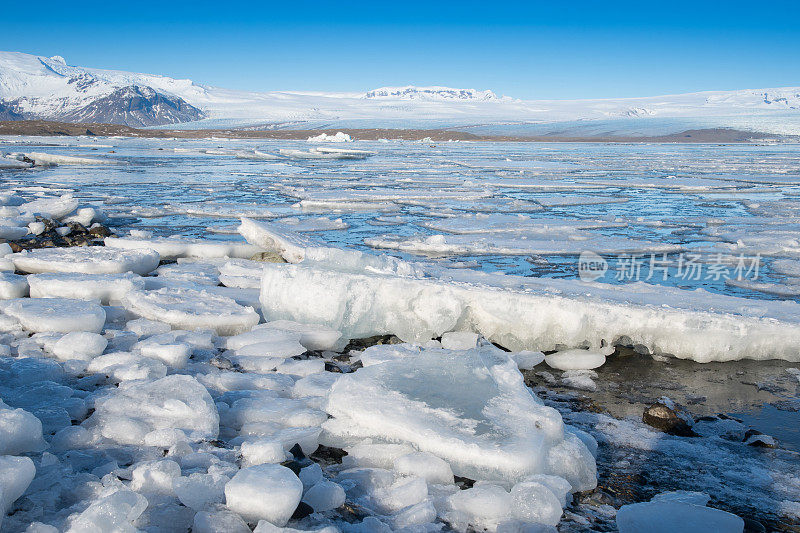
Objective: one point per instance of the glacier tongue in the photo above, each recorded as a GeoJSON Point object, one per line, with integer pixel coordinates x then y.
{"type": "Point", "coordinates": [529, 313]}
{"type": "Point", "coordinates": [470, 408]}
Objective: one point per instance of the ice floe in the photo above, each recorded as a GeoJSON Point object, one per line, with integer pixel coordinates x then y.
{"type": "Point", "coordinates": [192, 309]}
{"type": "Point", "coordinates": [529, 313]}
{"type": "Point", "coordinates": [60, 315]}
{"type": "Point", "coordinates": [86, 260]}
{"type": "Point", "coordinates": [470, 428]}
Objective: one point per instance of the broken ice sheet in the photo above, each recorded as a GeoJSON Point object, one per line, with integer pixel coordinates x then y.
{"type": "Point", "coordinates": [470, 408]}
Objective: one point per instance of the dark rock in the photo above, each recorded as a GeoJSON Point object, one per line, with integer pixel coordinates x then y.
{"type": "Point", "coordinates": [328, 455]}
{"type": "Point", "coordinates": [297, 451]}
{"type": "Point", "coordinates": [268, 257]}
{"type": "Point", "coordinates": [332, 367]}
{"type": "Point", "coordinates": [360, 344]}
{"type": "Point", "coordinates": [302, 511]}
{"type": "Point", "coordinates": [294, 466]}
{"type": "Point", "coordinates": [15, 247]}
{"type": "Point", "coordinates": [77, 227]}
{"type": "Point", "coordinates": [464, 482]}
{"type": "Point", "coordinates": [668, 420]}
{"type": "Point", "coordinates": [753, 437]}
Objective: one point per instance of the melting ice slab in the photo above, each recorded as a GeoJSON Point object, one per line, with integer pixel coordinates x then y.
{"type": "Point", "coordinates": [531, 313]}
{"type": "Point", "coordinates": [470, 408]}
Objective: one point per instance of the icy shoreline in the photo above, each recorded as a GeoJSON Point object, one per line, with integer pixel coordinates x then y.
{"type": "Point", "coordinates": [195, 381]}
{"type": "Point", "coordinates": [184, 404]}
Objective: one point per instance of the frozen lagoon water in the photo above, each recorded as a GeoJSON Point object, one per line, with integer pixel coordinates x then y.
{"type": "Point", "coordinates": [521, 208]}
{"type": "Point", "coordinates": [517, 208]}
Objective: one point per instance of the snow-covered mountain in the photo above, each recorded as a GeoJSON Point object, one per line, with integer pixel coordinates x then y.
{"type": "Point", "coordinates": [48, 88]}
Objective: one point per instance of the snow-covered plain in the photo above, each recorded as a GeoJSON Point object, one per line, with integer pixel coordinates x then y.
{"type": "Point", "coordinates": [159, 397]}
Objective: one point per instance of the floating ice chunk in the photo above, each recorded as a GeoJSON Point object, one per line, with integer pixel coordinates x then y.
{"type": "Point", "coordinates": [265, 527]}
{"type": "Point", "coordinates": [127, 413]}
{"type": "Point", "coordinates": [197, 490]}
{"type": "Point", "coordinates": [375, 455]}
{"type": "Point", "coordinates": [20, 432]}
{"type": "Point", "coordinates": [219, 522]}
{"type": "Point", "coordinates": [301, 368]}
{"type": "Point", "coordinates": [425, 465]}
{"type": "Point", "coordinates": [278, 348]}
{"type": "Point", "coordinates": [578, 359]}
{"type": "Point", "coordinates": [527, 359]}
{"type": "Point", "coordinates": [288, 245]}
{"type": "Point", "coordinates": [16, 473]}
{"type": "Point", "coordinates": [459, 340]}
{"type": "Point", "coordinates": [340, 137]}
{"type": "Point", "coordinates": [126, 366]}
{"type": "Point", "coordinates": [473, 428]}
{"type": "Point", "coordinates": [510, 310]}
{"type": "Point", "coordinates": [313, 336]}
{"type": "Point", "coordinates": [55, 314]}
{"type": "Point", "coordinates": [482, 506]}
{"type": "Point", "coordinates": [146, 328]}
{"type": "Point", "coordinates": [261, 335]}
{"type": "Point", "coordinates": [175, 347]}
{"type": "Point", "coordinates": [401, 494]}
{"type": "Point", "coordinates": [670, 516]}
{"type": "Point", "coordinates": [416, 515]}
{"type": "Point", "coordinates": [318, 384]}
{"type": "Point", "coordinates": [285, 411]}
{"type": "Point", "coordinates": [53, 208]}
{"type": "Point", "coordinates": [114, 513]}
{"type": "Point", "coordinates": [559, 486]}
{"type": "Point", "coordinates": [41, 159]}
{"type": "Point", "coordinates": [200, 273]}
{"type": "Point", "coordinates": [155, 477]}
{"type": "Point", "coordinates": [80, 345]}
{"type": "Point", "coordinates": [36, 228]}
{"type": "Point", "coordinates": [85, 216]}
{"type": "Point", "coordinates": [107, 288]}
{"type": "Point", "coordinates": [241, 273]}
{"type": "Point", "coordinates": [314, 224]}
{"type": "Point", "coordinates": [12, 233]}
{"type": "Point", "coordinates": [324, 496]}
{"type": "Point", "coordinates": [192, 309]}
{"type": "Point", "coordinates": [264, 492]}
{"type": "Point", "coordinates": [258, 156]}
{"type": "Point", "coordinates": [380, 353]}
{"type": "Point", "coordinates": [12, 286]}
{"type": "Point", "coordinates": [6, 163]}
{"type": "Point", "coordinates": [262, 451]}
{"type": "Point", "coordinates": [324, 153]}
{"type": "Point", "coordinates": [535, 502]}
{"type": "Point", "coordinates": [517, 244]}
{"type": "Point", "coordinates": [310, 475]}
{"type": "Point", "coordinates": [85, 260]}
{"type": "Point", "coordinates": [171, 248]}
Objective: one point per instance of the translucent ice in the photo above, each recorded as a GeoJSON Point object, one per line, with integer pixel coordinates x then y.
{"type": "Point", "coordinates": [192, 309]}
{"type": "Point", "coordinates": [264, 492]}
{"type": "Point", "coordinates": [492, 429]}
{"type": "Point", "coordinates": [56, 314]}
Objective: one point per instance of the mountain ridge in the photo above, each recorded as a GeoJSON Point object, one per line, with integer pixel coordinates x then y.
{"type": "Point", "coordinates": [47, 88]}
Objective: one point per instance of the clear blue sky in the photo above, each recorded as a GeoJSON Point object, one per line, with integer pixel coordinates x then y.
{"type": "Point", "coordinates": [526, 50]}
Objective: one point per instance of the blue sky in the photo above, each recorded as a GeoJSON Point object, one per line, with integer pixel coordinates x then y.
{"type": "Point", "coordinates": [525, 50]}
